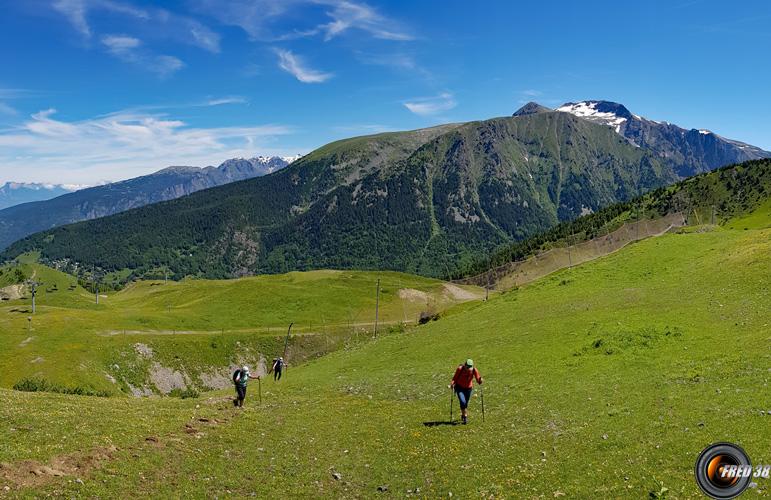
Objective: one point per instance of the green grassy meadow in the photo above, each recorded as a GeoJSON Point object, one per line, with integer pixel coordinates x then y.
{"type": "Point", "coordinates": [605, 380]}
{"type": "Point", "coordinates": [193, 325]}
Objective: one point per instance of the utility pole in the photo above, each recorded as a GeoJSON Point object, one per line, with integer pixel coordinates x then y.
{"type": "Point", "coordinates": [286, 340]}
{"type": "Point", "coordinates": [33, 290]}
{"type": "Point", "coordinates": [96, 285]}
{"type": "Point", "coordinates": [377, 304]}
{"type": "Point", "coordinates": [637, 237]}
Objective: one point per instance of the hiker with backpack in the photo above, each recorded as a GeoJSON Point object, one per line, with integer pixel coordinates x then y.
{"type": "Point", "coordinates": [463, 385]}
{"type": "Point", "coordinates": [240, 378]}
{"type": "Point", "coordinates": [277, 368]}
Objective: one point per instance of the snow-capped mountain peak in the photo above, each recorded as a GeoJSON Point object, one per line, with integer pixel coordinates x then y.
{"type": "Point", "coordinates": [690, 151]}
{"type": "Point", "coordinates": [607, 113]}
{"type": "Point", "coordinates": [272, 159]}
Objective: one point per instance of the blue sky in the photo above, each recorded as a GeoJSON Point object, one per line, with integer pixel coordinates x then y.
{"type": "Point", "coordinates": [102, 90]}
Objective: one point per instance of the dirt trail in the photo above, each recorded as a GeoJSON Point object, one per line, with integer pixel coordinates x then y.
{"type": "Point", "coordinates": [412, 295]}
{"type": "Point", "coordinates": [267, 329]}
{"type": "Point", "coordinates": [517, 273]}
{"type": "Point", "coordinates": [458, 293]}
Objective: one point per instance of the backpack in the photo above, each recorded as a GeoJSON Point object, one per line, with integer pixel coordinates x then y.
{"type": "Point", "coordinates": [236, 376]}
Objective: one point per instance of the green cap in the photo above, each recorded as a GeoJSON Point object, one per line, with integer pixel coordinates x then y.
{"type": "Point", "coordinates": [469, 362]}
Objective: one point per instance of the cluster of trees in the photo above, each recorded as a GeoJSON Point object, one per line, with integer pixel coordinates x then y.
{"type": "Point", "coordinates": [11, 275]}
{"type": "Point", "coordinates": [730, 191]}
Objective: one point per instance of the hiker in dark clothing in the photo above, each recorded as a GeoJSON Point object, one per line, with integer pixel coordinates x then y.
{"type": "Point", "coordinates": [277, 368]}
{"type": "Point", "coordinates": [240, 379]}
{"type": "Point", "coordinates": [463, 385]}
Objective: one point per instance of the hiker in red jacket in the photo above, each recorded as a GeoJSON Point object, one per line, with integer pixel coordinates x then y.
{"type": "Point", "coordinates": [463, 384]}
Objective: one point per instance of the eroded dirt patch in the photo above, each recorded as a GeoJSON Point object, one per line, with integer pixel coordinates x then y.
{"type": "Point", "coordinates": [459, 293]}
{"type": "Point", "coordinates": [12, 292]}
{"type": "Point", "coordinates": [32, 473]}
{"type": "Point", "coordinates": [143, 350]}
{"type": "Point", "coordinates": [412, 295]}
{"type": "Point", "coordinates": [167, 379]}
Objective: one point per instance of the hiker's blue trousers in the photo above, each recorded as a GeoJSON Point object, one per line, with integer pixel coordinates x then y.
{"type": "Point", "coordinates": [464, 395]}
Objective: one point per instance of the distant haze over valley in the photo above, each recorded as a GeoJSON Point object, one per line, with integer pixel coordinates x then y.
{"type": "Point", "coordinates": [65, 207]}
{"type": "Point", "coordinates": [15, 193]}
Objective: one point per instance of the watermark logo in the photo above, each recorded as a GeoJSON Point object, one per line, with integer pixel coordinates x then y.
{"type": "Point", "coordinates": [724, 470]}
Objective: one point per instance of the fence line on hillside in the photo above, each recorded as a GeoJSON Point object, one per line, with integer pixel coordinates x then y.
{"type": "Point", "coordinates": [522, 271]}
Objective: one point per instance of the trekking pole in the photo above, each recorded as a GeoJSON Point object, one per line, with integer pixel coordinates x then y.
{"type": "Point", "coordinates": [482, 395]}
{"type": "Point", "coordinates": [259, 389]}
{"type": "Point", "coordinates": [450, 404]}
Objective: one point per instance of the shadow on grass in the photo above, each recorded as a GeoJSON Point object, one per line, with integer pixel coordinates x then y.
{"type": "Point", "coordinates": [440, 422]}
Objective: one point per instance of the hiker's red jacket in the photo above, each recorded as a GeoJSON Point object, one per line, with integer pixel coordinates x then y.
{"type": "Point", "coordinates": [464, 378]}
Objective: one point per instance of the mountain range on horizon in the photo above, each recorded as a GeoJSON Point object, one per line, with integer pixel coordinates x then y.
{"type": "Point", "coordinates": [689, 152]}
{"type": "Point", "coordinates": [22, 219]}
{"type": "Point", "coordinates": [426, 201]}
{"type": "Point", "coordinates": [16, 193]}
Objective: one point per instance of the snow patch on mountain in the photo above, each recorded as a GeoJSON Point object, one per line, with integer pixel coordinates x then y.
{"type": "Point", "coordinates": [690, 151]}
{"type": "Point", "coordinates": [266, 164]}
{"type": "Point", "coordinates": [590, 110]}
{"type": "Point", "coordinates": [272, 159]}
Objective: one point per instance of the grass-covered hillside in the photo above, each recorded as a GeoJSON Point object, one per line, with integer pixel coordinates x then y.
{"type": "Point", "coordinates": [196, 329]}
{"type": "Point", "coordinates": [602, 381]}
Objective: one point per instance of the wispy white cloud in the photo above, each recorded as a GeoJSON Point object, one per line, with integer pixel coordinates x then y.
{"type": "Point", "coordinates": [208, 101]}
{"type": "Point", "coordinates": [426, 106]}
{"type": "Point", "coordinates": [398, 61]}
{"type": "Point", "coordinates": [258, 18]}
{"type": "Point", "coordinates": [128, 49]}
{"type": "Point", "coordinates": [347, 15]}
{"type": "Point", "coordinates": [75, 12]}
{"type": "Point", "coordinates": [120, 44]}
{"type": "Point", "coordinates": [164, 65]}
{"type": "Point", "coordinates": [42, 125]}
{"type": "Point", "coordinates": [12, 94]}
{"type": "Point", "coordinates": [203, 36]}
{"type": "Point", "coordinates": [219, 101]}
{"type": "Point", "coordinates": [296, 66]}
{"type": "Point", "coordinates": [121, 145]}
{"type": "Point", "coordinates": [152, 22]}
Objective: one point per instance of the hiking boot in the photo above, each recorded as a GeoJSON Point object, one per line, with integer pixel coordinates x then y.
{"type": "Point", "coordinates": [464, 419]}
